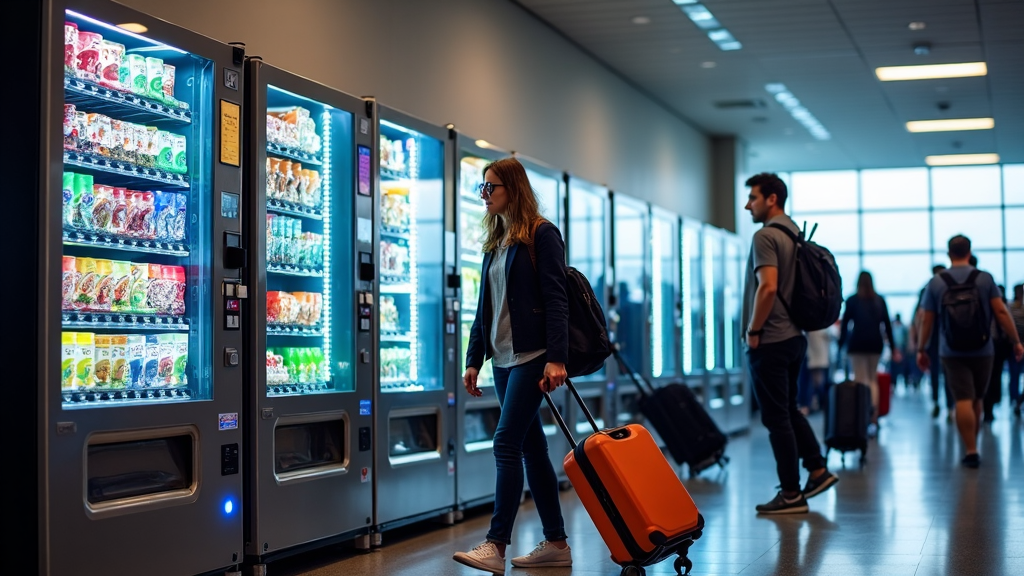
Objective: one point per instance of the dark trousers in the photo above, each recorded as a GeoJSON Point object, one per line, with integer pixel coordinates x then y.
{"type": "Point", "coordinates": [519, 439]}
{"type": "Point", "coordinates": [994, 393]}
{"type": "Point", "coordinates": [775, 370]}
{"type": "Point", "coordinates": [937, 378]}
{"type": "Point", "coordinates": [1016, 368]}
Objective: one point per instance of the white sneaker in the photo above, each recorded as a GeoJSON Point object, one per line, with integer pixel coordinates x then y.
{"type": "Point", "coordinates": [484, 557]}
{"type": "Point", "coordinates": [545, 555]}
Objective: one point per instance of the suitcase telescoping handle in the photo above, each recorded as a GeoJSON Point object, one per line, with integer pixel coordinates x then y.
{"type": "Point", "coordinates": [637, 378]}
{"type": "Point", "coordinates": [558, 416]}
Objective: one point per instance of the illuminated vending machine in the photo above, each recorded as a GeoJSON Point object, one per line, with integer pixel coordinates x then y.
{"type": "Point", "coordinates": [691, 343]}
{"type": "Point", "coordinates": [478, 417]}
{"type": "Point", "coordinates": [631, 260]}
{"type": "Point", "coordinates": [309, 392]}
{"type": "Point", "coordinates": [142, 405]}
{"type": "Point", "coordinates": [589, 246]}
{"type": "Point", "coordinates": [739, 387]}
{"type": "Point", "coordinates": [416, 301]}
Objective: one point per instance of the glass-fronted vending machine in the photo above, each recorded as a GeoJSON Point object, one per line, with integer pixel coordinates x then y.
{"type": "Point", "coordinates": [309, 183]}
{"type": "Point", "coordinates": [589, 247]}
{"type": "Point", "coordinates": [143, 389]}
{"type": "Point", "coordinates": [417, 328]}
{"type": "Point", "coordinates": [715, 326]}
{"type": "Point", "coordinates": [738, 389]}
{"type": "Point", "coordinates": [666, 304]}
{"type": "Point", "coordinates": [691, 342]}
{"type": "Point", "coordinates": [631, 312]}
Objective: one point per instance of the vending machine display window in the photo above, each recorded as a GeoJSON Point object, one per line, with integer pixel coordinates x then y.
{"type": "Point", "coordinates": [587, 240]}
{"type": "Point", "coordinates": [471, 240]}
{"type": "Point", "coordinates": [692, 299]}
{"type": "Point", "coordinates": [664, 294]}
{"type": "Point", "coordinates": [135, 217]}
{"type": "Point", "coordinates": [630, 219]}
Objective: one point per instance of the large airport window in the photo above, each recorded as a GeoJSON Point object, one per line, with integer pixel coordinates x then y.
{"type": "Point", "coordinates": [839, 232]}
{"type": "Point", "coordinates": [1014, 218]}
{"type": "Point", "coordinates": [1014, 267]}
{"type": "Point", "coordinates": [1013, 184]}
{"type": "Point", "coordinates": [824, 191]}
{"type": "Point", "coordinates": [966, 186]}
{"type": "Point", "coordinates": [894, 188]}
{"type": "Point", "coordinates": [896, 231]}
{"type": "Point", "coordinates": [894, 273]}
{"type": "Point", "coordinates": [849, 268]}
{"type": "Point", "coordinates": [903, 304]}
{"type": "Point", "coordinates": [983, 226]}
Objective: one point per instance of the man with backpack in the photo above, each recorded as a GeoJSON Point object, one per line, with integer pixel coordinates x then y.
{"type": "Point", "coordinates": [962, 301]}
{"type": "Point", "coordinates": [776, 344]}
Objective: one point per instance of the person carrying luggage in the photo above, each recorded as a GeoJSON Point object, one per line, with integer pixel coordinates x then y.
{"type": "Point", "coordinates": [521, 326]}
{"type": "Point", "coordinates": [936, 378]}
{"type": "Point", "coordinates": [960, 304]}
{"type": "Point", "coordinates": [776, 348]}
{"type": "Point", "coordinates": [868, 313]}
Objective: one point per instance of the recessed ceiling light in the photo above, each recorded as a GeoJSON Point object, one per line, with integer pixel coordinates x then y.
{"type": "Point", "coordinates": [951, 125]}
{"type": "Point", "coordinates": [916, 25]}
{"type": "Point", "coordinates": [961, 159]}
{"type": "Point", "coordinates": [708, 64]}
{"type": "Point", "coordinates": [133, 27]}
{"type": "Point", "coordinates": [685, 1]}
{"type": "Point", "coordinates": [641, 20]}
{"type": "Point", "coordinates": [483, 143]}
{"type": "Point", "coordinates": [930, 71]}
{"type": "Point", "coordinates": [701, 16]}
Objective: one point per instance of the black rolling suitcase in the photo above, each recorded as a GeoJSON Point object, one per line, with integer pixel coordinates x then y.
{"type": "Point", "coordinates": [848, 416]}
{"type": "Point", "coordinates": [691, 436]}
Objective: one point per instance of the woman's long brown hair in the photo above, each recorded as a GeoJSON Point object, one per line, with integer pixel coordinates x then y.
{"type": "Point", "coordinates": [522, 214]}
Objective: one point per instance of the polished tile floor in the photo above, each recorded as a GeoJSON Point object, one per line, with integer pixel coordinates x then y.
{"type": "Point", "coordinates": [911, 511]}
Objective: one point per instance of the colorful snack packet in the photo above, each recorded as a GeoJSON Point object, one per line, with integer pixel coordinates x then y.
{"type": "Point", "coordinates": [179, 145]}
{"type": "Point", "coordinates": [140, 289]}
{"type": "Point", "coordinates": [141, 222]}
{"type": "Point", "coordinates": [68, 282]}
{"type": "Point", "coordinates": [120, 374]}
{"type": "Point", "coordinates": [70, 127]}
{"type": "Point", "coordinates": [180, 218]}
{"type": "Point", "coordinates": [122, 286]}
{"type": "Point", "coordinates": [168, 82]}
{"type": "Point", "coordinates": [165, 211]}
{"type": "Point", "coordinates": [70, 48]}
{"type": "Point", "coordinates": [178, 285]}
{"type": "Point", "coordinates": [67, 195]}
{"type": "Point", "coordinates": [67, 360]}
{"type": "Point", "coordinates": [101, 360]}
{"type": "Point", "coordinates": [85, 345]}
{"type": "Point", "coordinates": [85, 290]}
{"type": "Point", "coordinates": [104, 285]}
{"type": "Point", "coordinates": [102, 208]}
{"type": "Point", "coordinates": [81, 202]}
{"type": "Point", "coordinates": [110, 64]}
{"type": "Point", "coordinates": [150, 368]}
{"type": "Point", "coordinates": [135, 360]}
{"type": "Point", "coordinates": [87, 55]}
{"type": "Point", "coordinates": [165, 364]}
{"type": "Point", "coordinates": [181, 359]}
{"type": "Point", "coordinates": [119, 213]}
{"type": "Point", "coordinates": [158, 293]}
{"type": "Point", "coordinates": [154, 78]}
{"type": "Point", "coordinates": [136, 69]}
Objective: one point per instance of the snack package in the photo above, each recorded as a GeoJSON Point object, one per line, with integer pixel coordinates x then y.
{"type": "Point", "coordinates": [81, 202]}
{"type": "Point", "coordinates": [121, 286]}
{"type": "Point", "coordinates": [67, 360]}
{"type": "Point", "coordinates": [119, 213]}
{"type": "Point", "coordinates": [70, 48]}
{"type": "Point", "coordinates": [104, 286]}
{"type": "Point", "coordinates": [181, 359]}
{"type": "Point", "coordinates": [165, 364]}
{"type": "Point", "coordinates": [87, 55]}
{"type": "Point", "coordinates": [141, 222]}
{"type": "Point", "coordinates": [178, 297]}
{"type": "Point", "coordinates": [165, 212]}
{"type": "Point", "coordinates": [68, 282]}
{"type": "Point", "coordinates": [67, 195]}
{"type": "Point", "coordinates": [147, 147]}
{"type": "Point", "coordinates": [120, 375]}
{"type": "Point", "coordinates": [70, 127]}
{"type": "Point", "coordinates": [137, 297]}
{"type": "Point", "coordinates": [85, 345]}
{"type": "Point", "coordinates": [151, 363]}
{"type": "Point", "coordinates": [180, 218]}
{"type": "Point", "coordinates": [101, 360]}
{"type": "Point", "coordinates": [136, 359]}
{"type": "Point", "coordinates": [115, 140]}
{"type": "Point", "coordinates": [154, 78]}
{"type": "Point", "coordinates": [136, 69]}
{"type": "Point", "coordinates": [85, 291]}
{"type": "Point", "coordinates": [97, 133]}
{"type": "Point", "coordinates": [179, 145]}
{"type": "Point", "coordinates": [102, 208]}
{"type": "Point", "coordinates": [158, 294]}
{"type": "Point", "coordinates": [162, 145]}
{"type": "Point", "coordinates": [168, 82]}
{"type": "Point", "coordinates": [110, 64]}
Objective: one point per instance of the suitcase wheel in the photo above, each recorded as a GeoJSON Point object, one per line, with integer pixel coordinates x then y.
{"type": "Point", "coordinates": [683, 562]}
{"type": "Point", "coordinates": [633, 570]}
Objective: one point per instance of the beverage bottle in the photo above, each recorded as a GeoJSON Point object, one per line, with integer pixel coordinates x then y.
{"type": "Point", "coordinates": [81, 201]}
{"type": "Point", "coordinates": [135, 360]}
{"type": "Point", "coordinates": [67, 360]}
{"type": "Point", "coordinates": [85, 345]}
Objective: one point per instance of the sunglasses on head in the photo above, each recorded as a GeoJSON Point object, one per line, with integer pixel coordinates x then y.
{"type": "Point", "coordinates": [487, 188]}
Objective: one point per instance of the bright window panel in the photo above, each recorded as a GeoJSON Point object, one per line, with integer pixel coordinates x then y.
{"type": "Point", "coordinates": [902, 304]}
{"type": "Point", "coordinates": [896, 231]}
{"type": "Point", "coordinates": [837, 232]}
{"type": "Point", "coordinates": [849, 268]}
{"type": "Point", "coordinates": [896, 272]}
{"type": "Point", "coordinates": [1014, 227]}
{"type": "Point", "coordinates": [894, 188]}
{"type": "Point", "coordinates": [968, 186]}
{"type": "Point", "coordinates": [823, 191]}
{"type": "Point", "coordinates": [1013, 184]}
{"type": "Point", "coordinates": [1014, 268]}
{"type": "Point", "coordinates": [983, 227]}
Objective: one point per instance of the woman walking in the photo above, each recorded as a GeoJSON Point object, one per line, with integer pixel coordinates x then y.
{"type": "Point", "coordinates": [869, 315]}
{"type": "Point", "coordinates": [522, 326]}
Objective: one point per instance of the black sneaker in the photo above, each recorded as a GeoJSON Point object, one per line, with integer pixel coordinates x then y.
{"type": "Point", "coordinates": [818, 485]}
{"type": "Point", "coordinates": [780, 505]}
{"type": "Point", "coordinates": [971, 461]}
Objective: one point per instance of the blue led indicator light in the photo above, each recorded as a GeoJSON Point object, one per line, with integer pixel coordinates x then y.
{"type": "Point", "coordinates": [229, 506]}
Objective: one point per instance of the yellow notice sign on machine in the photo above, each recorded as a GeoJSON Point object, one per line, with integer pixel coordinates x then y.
{"type": "Point", "coordinates": [230, 133]}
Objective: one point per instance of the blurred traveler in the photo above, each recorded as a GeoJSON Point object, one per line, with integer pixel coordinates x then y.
{"type": "Point", "coordinates": [900, 369]}
{"type": "Point", "coordinates": [815, 371]}
{"type": "Point", "coordinates": [1017, 366]}
{"type": "Point", "coordinates": [869, 315]}
{"type": "Point", "coordinates": [776, 349]}
{"type": "Point", "coordinates": [1003, 351]}
{"type": "Point", "coordinates": [959, 304]}
{"type": "Point", "coordinates": [936, 378]}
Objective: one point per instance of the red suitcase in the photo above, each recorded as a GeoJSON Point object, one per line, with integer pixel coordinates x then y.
{"type": "Point", "coordinates": [633, 495]}
{"type": "Point", "coordinates": [884, 393]}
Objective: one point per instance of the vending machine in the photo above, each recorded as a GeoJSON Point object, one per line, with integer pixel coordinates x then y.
{"type": "Point", "coordinates": [589, 246]}
{"type": "Point", "coordinates": [691, 344]}
{"type": "Point", "coordinates": [631, 260]}
{"type": "Point", "coordinates": [142, 373]}
{"type": "Point", "coordinates": [309, 379]}
{"type": "Point", "coordinates": [735, 358]}
{"type": "Point", "coordinates": [414, 268]}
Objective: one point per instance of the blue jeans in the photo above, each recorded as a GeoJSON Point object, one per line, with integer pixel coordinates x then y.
{"type": "Point", "coordinates": [520, 439]}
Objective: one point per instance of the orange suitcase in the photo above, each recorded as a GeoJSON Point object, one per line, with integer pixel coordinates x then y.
{"type": "Point", "coordinates": [633, 495]}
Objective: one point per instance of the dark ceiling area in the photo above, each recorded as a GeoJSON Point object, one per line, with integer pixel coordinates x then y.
{"type": "Point", "coordinates": [825, 53]}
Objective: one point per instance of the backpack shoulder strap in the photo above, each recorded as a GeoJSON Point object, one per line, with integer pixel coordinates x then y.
{"type": "Point", "coordinates": [792, 235]}
{"type": "Point", "coordinates": [948, 279]}
{"type": "Point", "coordinates": [530, 244]}
{"type": "Point", "coordinates": [972, 277]}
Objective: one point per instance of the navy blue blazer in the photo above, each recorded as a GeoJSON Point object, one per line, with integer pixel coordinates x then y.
{"type": "Point", "coordinates": [537, 301]}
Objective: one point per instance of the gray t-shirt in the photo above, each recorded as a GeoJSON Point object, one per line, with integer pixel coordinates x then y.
{"type": "Point", "coordinates": [501, 326]}
{"type": "Point", "coordinates": [932, 301]}
{"type": "Point", "coordinates": [772, 247]}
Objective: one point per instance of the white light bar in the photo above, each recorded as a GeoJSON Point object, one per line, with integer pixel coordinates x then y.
{"type": "Point", "coordinates": [931, 71]}
{"type": "Point", "coordinates": [799, 113]}
{"type": "Point", "coordinates": [961, 159]}
{"type": "Point", "coordinates": [951, 125]}
{"type": "Point", "coordinates": [701, 16]}
{"type": "Point", "coordinates": [124, 31]}
{"type": "Point", "coordinates": [705, 20]}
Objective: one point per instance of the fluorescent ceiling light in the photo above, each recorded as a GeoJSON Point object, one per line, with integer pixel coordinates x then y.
{"type": "Point", "coordinates": [721, 35]}
{"type": "Point", "coordinates": [641, 20]}
{"type": "Point", "coordinates": [931, 71]}
{"type": "Point", "coordinates": [727, 46]}
{"type": "Point", "coordinates": [951, 125]}
{"type": "Point", "coordinates": [685, 1]}
{"type": "Point", "coordinates": [483, 143]}
{"type": "Point", "coordinates": [701, 16]}
{"type": "Point", "coordinates": [961, 159]}
{"type": "Point", "coordinates": [799, 113]}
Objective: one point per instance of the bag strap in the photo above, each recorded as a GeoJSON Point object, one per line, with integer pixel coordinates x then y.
{"type": "Point", "coordinates": [561, 421]}
{"type": "Point", "coordinates": [952, 283]}
{"type": "Point", "coordinates": [530, 244]}
{"type": "Point", "coordinates": [797, 240]}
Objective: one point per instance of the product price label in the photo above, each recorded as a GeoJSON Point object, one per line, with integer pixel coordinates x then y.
{"type": "Point", "coordinates": [228, 421]}
{"type": "Point", "coordinates": [230, 133]}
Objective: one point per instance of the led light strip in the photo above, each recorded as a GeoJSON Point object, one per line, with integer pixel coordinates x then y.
{"type": "Point", "coordinates": [414, 168]}
{"type": "Point", "coordinates": [119, 30]}
{"type": "Point", "coordinates": [709, 302]}
{"type": "Point", "coordinates": [657, 366]}
{"type": "Point", "coordinates": [325, 193]}
{"type": "Point", "coordinates": [687, 312]}
{"type": "Point", "coordinates": [730, 299]}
